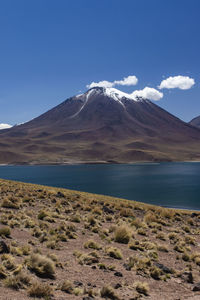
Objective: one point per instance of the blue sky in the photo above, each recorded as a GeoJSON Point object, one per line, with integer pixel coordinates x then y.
{"type": "Point", "coordinates": [50, 50]}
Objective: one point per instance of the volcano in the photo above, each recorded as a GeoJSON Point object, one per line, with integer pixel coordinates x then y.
{"type": "Point", "coordinates": [103, 125]}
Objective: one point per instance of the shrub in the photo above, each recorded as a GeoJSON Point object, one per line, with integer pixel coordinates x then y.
{"type": "Point", "coordinates": [8, 261]}
{"type": "Point", "coordinates": [167, 213]}
{"type": "Point", "coordinates": [196, 258]}
{"type": "Point", "coordinates": [18, 281]}
{"type": "Point", "coordinates": [25, 249]}
{"type": "Point", "coordinates": [42, 214]}
{"type": "Point", "coordinates": [150, 217]}
{"type": "Point", "coordinates": [41, 265]}
{"type": "Point", "coordinates": [142, 288]}
{"type": "Point", "coordinates": [88, 259]}
{"type": "Point", "coordinates": [11, 202]}
{"type": "Point", "coordinates": [3, 273]}
{"type": "Point", "coordinates": [190, 240]}
{"type": "Point", "coordinates": [92, 244]}
{"type": "Point", "coordinates": [97, 210]}
{"type": "Point", "coordinates": [75, 218]}
{"type": "Point", "coordinates": [141, 231]}
{"type": "Point", "coordinates": [155, 273]}
{"type": "Point", "coordinates": [163, 248]}
{"type": "Point", "coordinates": [67, 287]}
{"type": "Point", "coordinates": [114, 252]}
{"type": "Point", "coordinates": [180, 247]}
{"type": "Point", "coordinates": [186, 256]}
{"type": "Point", "coordinates": [136, 245]}
{"type": "Point", "coordinates": [108, 293]}
{"type": "Point", "coordinates": [5, 231]}
{"type": "Point", "coordinates": [126, 212]}
{"type": "Point", "coordinates": [122, 234]}
{"type": "Point", "coordinates": [161, 236]}
{"type": "Point", "coordinates": [40, 290]}
{"type": "Point", "coordinates": [91, 220]}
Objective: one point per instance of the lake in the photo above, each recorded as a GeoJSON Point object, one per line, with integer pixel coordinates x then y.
{"type": "Point", "coordinates": [167, 184]}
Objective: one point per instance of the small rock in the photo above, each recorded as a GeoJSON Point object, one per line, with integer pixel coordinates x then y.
{"type": "Point", "coordinates": [164, 268]}
{"type": "Point", "coordinates": [188, 277]}
{"type": "Point", "coordinates": [127, 267]}
{"type": "Point", "coordinates": [4, 248]}
{"type": "Point", "coordinates": [196, 288]}
{"type": "Point", "coordinates": [60, 195]}
{"type": "Point", "coordinates": [88, 298]}
{"type": "Point", "coordinates": [108, 210]}
{"type": "Point", "coordinates": [118, 274]}
{"type": "Point", "coordinates": [94, 267]}
{"type": "Point", "coordinates": [117, 286]}
{"type": "Point", "coordinates": [194, 215]}
{"type": "Point", "coordinates": [78, 283]}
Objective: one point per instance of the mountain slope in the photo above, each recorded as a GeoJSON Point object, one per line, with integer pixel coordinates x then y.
{"type": "Point", "coordinates": [102, 125]}
{"type": "Point", "coordinates": [195, 122]}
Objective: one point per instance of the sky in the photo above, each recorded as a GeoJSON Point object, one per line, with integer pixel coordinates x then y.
{"type": "Point", "coordinates": [53, 49]}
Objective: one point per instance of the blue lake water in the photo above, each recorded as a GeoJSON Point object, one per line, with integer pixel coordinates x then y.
{"type": "Point", "coordinates": [167, 184]}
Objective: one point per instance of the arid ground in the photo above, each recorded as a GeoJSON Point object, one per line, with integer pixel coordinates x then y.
{"type": "Point", "coordinates": [61, 244]}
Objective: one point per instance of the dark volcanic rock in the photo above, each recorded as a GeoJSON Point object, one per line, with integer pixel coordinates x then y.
{"type": "Point", "coordinates": [77, 283]}
{"type": "Point", "coordinates": [196, 287]}
{"type": "Point", "coordinates": [127, 267]}
{"type": "Point", "coordinates": [60, 195]}
{"type": "Point", "coordinates": [118, 274]}
{"type": "Point", "coordinates": [4, 248]}
{"type": "Point", "coordinates": [117, 286]}
{"type": "Point", "coordinates": [163, 268]}
{"type": "Point", "coordinates": [194, 215]}
{"type": "Point", "coordinates": [108, 210]}
{"type": "Point", "coordinates": [188, 277]}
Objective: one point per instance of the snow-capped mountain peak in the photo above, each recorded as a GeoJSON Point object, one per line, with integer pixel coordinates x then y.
{"type": "Point", "coordinates": [113, 93]}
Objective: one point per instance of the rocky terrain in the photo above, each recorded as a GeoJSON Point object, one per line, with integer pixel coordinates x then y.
{"type": "Point", "coordinates": [61, 244]}
{"type": "Point", "coordinates": [101, 125]}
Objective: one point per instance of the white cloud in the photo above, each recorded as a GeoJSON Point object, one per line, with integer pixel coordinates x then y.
{"type": "Point", "coordinates": [4, 126]}
{"type": "Point", "coordinates": [104, 83]}
{"type": "Point", "coordinates": [130, 80]}
{"type": "Point", "coordinates": [180, 82]}
{"type": "Point", "coordinates": [148, 93]}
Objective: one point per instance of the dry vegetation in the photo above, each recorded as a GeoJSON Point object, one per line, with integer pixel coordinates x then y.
{"type": "Point", "coordinates": [60, 244]}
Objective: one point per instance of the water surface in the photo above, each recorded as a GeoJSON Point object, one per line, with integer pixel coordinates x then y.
{"type": "Point", "coordinates": [167, 184]}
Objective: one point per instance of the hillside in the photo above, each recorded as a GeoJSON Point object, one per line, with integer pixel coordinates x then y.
{"type": "Point", "coordinates": [61, 244]}
{"type": "Point", "coordinates": [195, 122]}
{"type": "Point", "coordinates": [101, 125]}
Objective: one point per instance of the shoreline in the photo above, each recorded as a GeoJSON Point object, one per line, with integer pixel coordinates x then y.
{"type": "Point", "coordinates": [97, 163]}
{"type": "Point", "coordinates": [150, 205]}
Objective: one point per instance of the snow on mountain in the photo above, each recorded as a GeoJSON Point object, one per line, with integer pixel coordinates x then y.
{"type": "Point", "coordinates": [111, 93]}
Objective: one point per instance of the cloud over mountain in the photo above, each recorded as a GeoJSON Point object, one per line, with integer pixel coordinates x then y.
{"type": "Point", "coordinates": [128, 81]}
{"type": "Point", "coordinates": [4, 126]}
{"type": "Point", "coordinates": [179, 82]}
{"type": "Point", "coordinates": [148, 93]}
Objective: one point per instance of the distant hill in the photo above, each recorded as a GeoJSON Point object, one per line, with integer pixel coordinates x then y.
{"type": "Point", "coordinates": [195, 122]}
{"type": "Point", "coordinates": [101, 125]}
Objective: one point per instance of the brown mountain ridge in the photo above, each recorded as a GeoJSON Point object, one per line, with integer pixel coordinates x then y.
{"type": "Point", "coordinates": [195, 122]}
{"type": "Point", "coordinates": [101, 125]}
